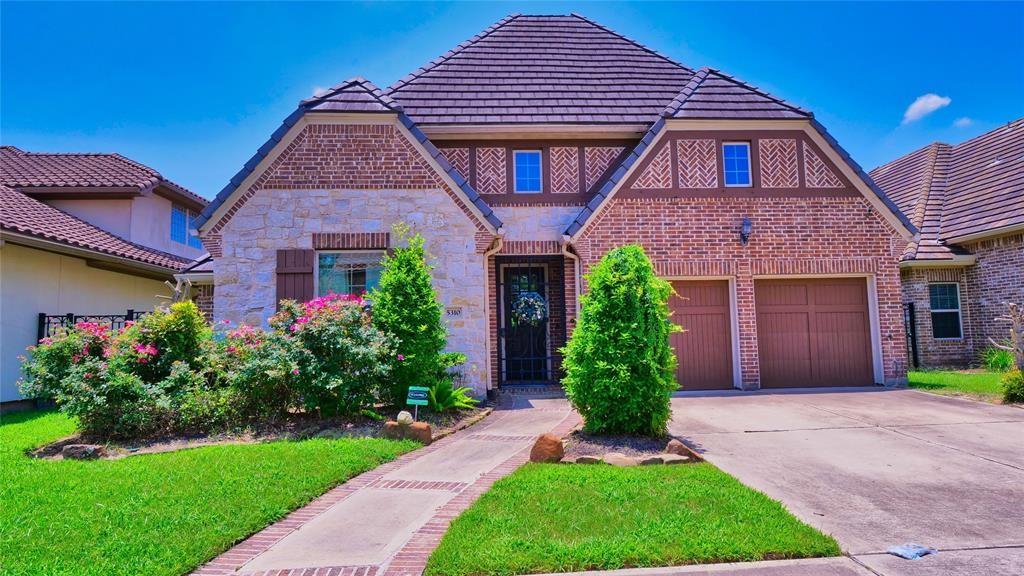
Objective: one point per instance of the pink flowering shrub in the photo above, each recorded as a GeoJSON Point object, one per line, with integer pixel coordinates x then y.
{"type": "Point", "coordinates": [342, 362]}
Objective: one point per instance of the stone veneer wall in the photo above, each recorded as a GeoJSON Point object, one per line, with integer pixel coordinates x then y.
{"type": "Point", "coordinates": [695, 237]}
{"type": "Point", "coordinates": [934, 353]}
{"type": "Point", "coordinates": [996, 277]}
{"type": "Point", "coordinates": [352, 178]}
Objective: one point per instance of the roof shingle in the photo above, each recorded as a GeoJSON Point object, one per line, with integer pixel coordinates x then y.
{"type": "Point", "coordinates": [714, 95]}
{"type": "Point", "coordinates": [543, 69]}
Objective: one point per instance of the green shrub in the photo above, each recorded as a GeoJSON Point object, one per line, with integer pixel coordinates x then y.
{"type": "Point", "coordinates": [444, 396]}
{"type": "Point", "coordinates": [53, 358]}
{"type": "Point", "coordinates": [405, 305]}
{"type": "Point", "coordinates": [620, 368]}
{"type": "Point", "coordinates": [997, 359]}
{"type": "Point", "coordinates": [1013, 387]}
{"type": "Point", "coordinates": [151, 346]}
{"type": "Point", "coordinates": [114, 404]}
{"type": "Point", "coordinates": [261, 368]}
{"type": "Point", "coordinates": [341, 360]}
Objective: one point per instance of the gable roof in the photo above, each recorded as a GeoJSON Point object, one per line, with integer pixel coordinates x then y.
{"type": "Point", "coordinates": [355, 95]}
{"type": "Point", "coordinates": [955, 191]}
{"type": "Point", "coordinates": [711, 94]}
{"type": "Point", "coordinates": [560, 69]}
{"type": "Point", "coordinates": [27, 216]}
{"type": "Point", "coordinates": [83, 172]}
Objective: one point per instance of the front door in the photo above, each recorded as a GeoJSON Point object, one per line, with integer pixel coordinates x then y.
{"type": "Point", "coordinates": [524, 325]}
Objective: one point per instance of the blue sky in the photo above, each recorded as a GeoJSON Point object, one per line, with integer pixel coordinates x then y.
{"type": "Point", "coordinates": [193, 89]}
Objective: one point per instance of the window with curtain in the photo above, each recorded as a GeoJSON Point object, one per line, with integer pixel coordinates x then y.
{"type": "Point", "coordinates": [945, 310]}
{"type": "Point", "coordinates": [348, 272]}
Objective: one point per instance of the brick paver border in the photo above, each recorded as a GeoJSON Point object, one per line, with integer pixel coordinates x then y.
{"type": "Point", "coordinates": [411, 559]}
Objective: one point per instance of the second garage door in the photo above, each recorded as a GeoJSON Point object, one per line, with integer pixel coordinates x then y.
{"type": "Point", "coordinates": [813, 332]}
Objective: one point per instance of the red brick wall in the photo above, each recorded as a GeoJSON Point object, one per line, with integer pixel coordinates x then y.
{"type": "Point", "coordinates": [934, 353]}
{"type": "Point", "coordinates": [996, 277]}
{"type": "Point", "coordinates": [202, 295]}
{"type": "Point", "coordinates": [695, 237]}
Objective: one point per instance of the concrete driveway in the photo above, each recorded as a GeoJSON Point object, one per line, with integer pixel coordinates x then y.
{"type": "Point", "coordinates": [876, 468]}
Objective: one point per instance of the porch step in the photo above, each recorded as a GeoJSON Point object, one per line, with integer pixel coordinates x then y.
{"type": "Point", "coordinates": [533, 390]}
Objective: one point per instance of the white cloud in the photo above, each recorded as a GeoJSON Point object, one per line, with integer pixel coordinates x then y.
{"type": "Point", "coordinates": [923, 106]}
{"type": "Point", "coordinates": [319, 91]}
{"type": "Point", "coordinates": [963, 122]}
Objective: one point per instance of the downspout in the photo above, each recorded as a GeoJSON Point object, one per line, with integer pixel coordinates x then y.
{"type": "Point", "coordinates": [566, 245]}
{"type": "Point", "coordinates": [498, 245]}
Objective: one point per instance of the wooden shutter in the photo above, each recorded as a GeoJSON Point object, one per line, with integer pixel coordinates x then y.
{"type": "Point", "coordinates": [295, 275]}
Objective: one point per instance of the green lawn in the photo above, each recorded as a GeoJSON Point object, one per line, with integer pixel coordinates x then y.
{"type": "Point", "coordinates": [559, 518]}
{"type": "Point", "coordinates": [160, 513]}
{"type": "Point", "coordinates": [981, 385]}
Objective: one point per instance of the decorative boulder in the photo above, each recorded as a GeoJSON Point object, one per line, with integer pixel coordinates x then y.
{"type": "Point", "coordinates": [547, 448]}
{"type": "Point", "coordinates": [650, 460]}
{"type": "Point", "coordinates": [587, 459]}
{"type": "Point", "coordinates": [83, 451]}
{"type": "Point", "coordinates": [675, 459]}
{"type": "Point", "coordinates": [418, 431]}
{"type": "Point", "coordinates": [619, 459]}
{"type": "Point", "coordinates": [404, 418]}
{"type": "Point", "coordinates": [676, 447]}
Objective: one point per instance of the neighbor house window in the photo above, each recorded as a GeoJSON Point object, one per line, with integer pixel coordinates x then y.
{"type": "Point", "coordinates": [736, 156]}
{"type": "Point", "coordinates": [348, 272]}
{"type": "Point", "coordinates": [945, 305]}
{"type": "Point", "coordinates": [182, 223]}
{"type": "Point", "coordinates": [527, 171]}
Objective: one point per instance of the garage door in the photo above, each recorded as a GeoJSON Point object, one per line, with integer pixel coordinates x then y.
{"type": "Point", "coordinates": [813, 332]}
{"type": "Point", "coordinates": [704, 351]}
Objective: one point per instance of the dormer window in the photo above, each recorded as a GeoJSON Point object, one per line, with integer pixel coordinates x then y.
{"type": "Point", "coordinates": [527, 171]}
{"type": "Point", "coordinates": [182, 222]}
{"type": "Point", "coordinates": [736, 156]}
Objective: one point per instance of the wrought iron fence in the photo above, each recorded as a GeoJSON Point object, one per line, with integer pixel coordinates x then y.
{"type": "Point", "coordinates": [50, 323]}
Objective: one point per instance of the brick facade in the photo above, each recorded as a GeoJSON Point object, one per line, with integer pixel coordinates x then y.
{"type": "Point", "coordinates": [997, 276]}
{"type": "Point", "coordinates": [820, 236]}
{"type": "Point", "coordinates": [202, 295]}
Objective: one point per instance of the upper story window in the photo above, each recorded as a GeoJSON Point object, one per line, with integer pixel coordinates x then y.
{"type": "Point", "coordinates": [945, 307]}
{"type": "Point", "coordinates": [182, 222]}
{"type": "Point", "coordinates": [736, 156]}
{"type": "Point", "coordinates": [527, 171]}
{"type": "Point", "coordinates": [348, 272]}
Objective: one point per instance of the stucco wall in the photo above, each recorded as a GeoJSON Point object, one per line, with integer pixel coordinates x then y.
{"type": "Point", "coordinates": [352, 179]}
{"type": "Point", "coordinates": [112, 215]}
{"type": "Point", "coordinates": [34, 281]}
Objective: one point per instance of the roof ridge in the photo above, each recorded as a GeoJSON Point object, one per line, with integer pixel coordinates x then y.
{"type": "Point", "coordinates": [698, 78]}
{"type": "Point", "coordinates": [368, 86]}
{"type": "Point", "coordinates": [631, 41]}
{"type": "Point", "coordinates": [758, 91]}
{"type": "Point", "coordinates": [447, 55]}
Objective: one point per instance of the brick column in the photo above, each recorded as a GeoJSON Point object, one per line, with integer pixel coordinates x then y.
{"type": "Point", "coordinates": [747, 321]}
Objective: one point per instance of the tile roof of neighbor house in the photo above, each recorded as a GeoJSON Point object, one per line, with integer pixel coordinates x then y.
{"type": "Point", "coordinates": [952, 191]}
{"type": "Point", "coordinates": [28, 171]}
{"type": "Point", "coordinates": [22, 214]}
{"type": "Point", "coordinates": [543, 69]}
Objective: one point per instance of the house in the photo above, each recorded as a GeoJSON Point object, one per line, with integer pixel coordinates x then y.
{"type": "Point", "coordinates": [527, 152]}
{"type": "Point", "coordinates": [90, 235]}
{"type": "Point", "coordinates": [968, 201]}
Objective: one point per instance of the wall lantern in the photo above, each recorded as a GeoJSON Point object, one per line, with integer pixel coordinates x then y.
{"type": "Point", "coordinates": [745, 231]}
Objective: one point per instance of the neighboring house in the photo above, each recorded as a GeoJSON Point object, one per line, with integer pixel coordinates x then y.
{"type": "Point", "coordinates": [83, 234]}
{"type": "Point", "coordinates": [526, 153]}
{"type": "Point", "coordinates": [968, 201]}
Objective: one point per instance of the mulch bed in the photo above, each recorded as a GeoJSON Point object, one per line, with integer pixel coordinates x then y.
{"type": "Point", "coordinates": [580, 443]}
{"type": "Point", "coordinates": [298, 427]}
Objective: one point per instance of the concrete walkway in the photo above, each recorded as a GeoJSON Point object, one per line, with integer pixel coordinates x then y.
{"type": "Point", "coordinates": [388, 521]}
{"type": "Point", "coordinates": [876, 468]}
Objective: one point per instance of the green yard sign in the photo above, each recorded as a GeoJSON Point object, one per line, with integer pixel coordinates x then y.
{"type": "Point", "coordinates": [417, 396]}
